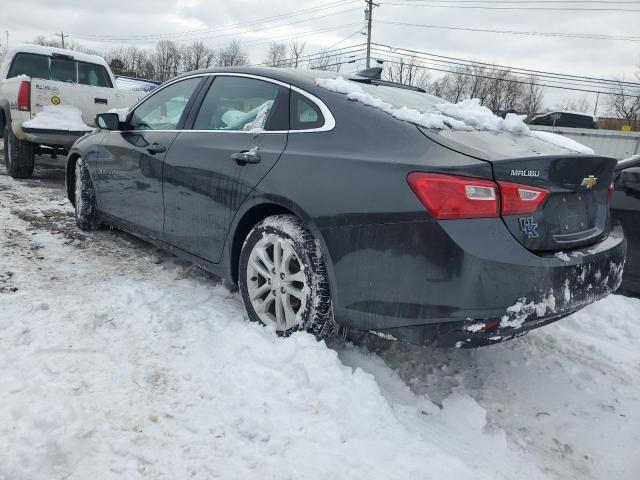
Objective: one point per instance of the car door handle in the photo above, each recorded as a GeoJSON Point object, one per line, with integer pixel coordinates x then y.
{"type": "Point", "coordinates": [156, 148]}
{"type": "Point", "coordinates": [242, 158]}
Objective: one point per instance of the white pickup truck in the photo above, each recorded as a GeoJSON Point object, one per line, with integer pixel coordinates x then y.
{"type": "Point", "coordinates": [49, 97]}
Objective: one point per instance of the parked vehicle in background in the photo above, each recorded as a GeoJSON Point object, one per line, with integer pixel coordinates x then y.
{"type": "Point", "coordinates": [625, 207]}
{"type": "Point", "coordinates": [565, 119]}
{"type": "Point", "coordinates": [136, 84]}
{"type": "Point", "coordinates": [356, 201]}
{"type": "Point", "coordinates": [34, 79]}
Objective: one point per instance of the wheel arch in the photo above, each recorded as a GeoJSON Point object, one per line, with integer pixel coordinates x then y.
{"type": "Point", "coordinates": [256, 210]}
{"type": "Point", "coordinates": [3, 121]}
{"type": "Point", "coordinates": [5, 116]}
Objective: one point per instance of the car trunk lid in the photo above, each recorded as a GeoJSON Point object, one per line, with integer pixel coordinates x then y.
{"type": "Point", "coordinates": [576, 210]}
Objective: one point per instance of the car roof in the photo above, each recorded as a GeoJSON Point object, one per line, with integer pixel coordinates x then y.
{"type": "Point", "coordinates": [295, 76]}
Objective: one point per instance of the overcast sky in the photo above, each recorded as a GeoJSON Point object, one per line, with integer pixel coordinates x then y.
{"type": "Point", "coordinates": [118, 18]}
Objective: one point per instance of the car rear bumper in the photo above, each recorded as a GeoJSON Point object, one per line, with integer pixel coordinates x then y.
{"type": "Point", "coordinates": [62, 138]}
{"type": "Point", "coordinates": [461, 282]}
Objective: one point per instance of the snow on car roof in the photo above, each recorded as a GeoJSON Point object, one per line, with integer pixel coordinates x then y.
{"type": "Point", "coordinates": [42, 50]}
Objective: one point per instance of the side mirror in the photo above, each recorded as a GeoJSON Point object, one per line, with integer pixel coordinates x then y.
{"type": "Point", "coordinates": [108, 121]}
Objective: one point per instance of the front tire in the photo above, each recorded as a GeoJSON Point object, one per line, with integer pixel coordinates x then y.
{"type": "Point", "coordinates": [19, 155]}
{"type": "Point", "coordinates": [86, 211]}
{"type": "Point", "coordinates": [283, 279]}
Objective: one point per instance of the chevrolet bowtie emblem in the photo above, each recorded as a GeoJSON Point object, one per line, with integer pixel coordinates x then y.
{"type": "Point", "coordinates": [589, 181]}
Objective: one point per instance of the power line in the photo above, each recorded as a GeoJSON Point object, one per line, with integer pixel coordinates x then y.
{"type": "Point", "coordinates": [337, 52]}
{"type": "Point", "coordinates": [551, 81]}
{"type": "Point", "coordinates": [236, 33]}
{"type": "Point", "coordinates": [292, 35]}
{"type": "Point", "coordinates": [516, 32]}
{"type": "Point", "coordinates": [484, 7]}
{"type": "Point", "coordinates": [343, 40]}
{"type": "Point", "coordinates": [579, 2]}
{"type": "Point", "coordinates": [223, 27]}
{"type": "Point", "coordinates": [505, 67]}
{"type": "Point", "coordinates": [510, 80]}
{"type": "Point", "coordinates": [576, 2]}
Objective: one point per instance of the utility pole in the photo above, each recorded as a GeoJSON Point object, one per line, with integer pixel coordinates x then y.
{"type": "Point", "coordinates": [61, 35]}
{"type": "Point", "coordinates": [368, 16]}
{"type": "Point", "coordinates": [595, 109]}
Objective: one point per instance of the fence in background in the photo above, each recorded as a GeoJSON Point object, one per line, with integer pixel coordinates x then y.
{"type": "Point", "coordinates": [611, 143]}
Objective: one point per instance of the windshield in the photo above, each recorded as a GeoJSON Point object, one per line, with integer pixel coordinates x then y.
{"type": "Point", "coordinates": [402, 97]}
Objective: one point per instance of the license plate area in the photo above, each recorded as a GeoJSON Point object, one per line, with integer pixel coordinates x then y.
{"type": "Point", "coordinates": [571, 213]}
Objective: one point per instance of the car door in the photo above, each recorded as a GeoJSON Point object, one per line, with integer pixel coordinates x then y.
{"type": "Point", "coordinates": [130, 170]}
{"type": "Point", "coordinates": [238, 134]}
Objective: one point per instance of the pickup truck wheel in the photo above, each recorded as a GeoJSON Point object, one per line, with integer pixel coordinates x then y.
{"type": "Point", "coordinates": [19, 155]}
{"type": "Point", "coordinates": [85, 198]}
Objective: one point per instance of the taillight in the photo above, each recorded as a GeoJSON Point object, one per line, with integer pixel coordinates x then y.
{"type": "Point", "coordinates": [449, 197]}
{"type": "Point", "coordinates": [521, 199]}
{"type": "Point", "coordinates": [610, 192]}
{"type": "Point", "coordinates": [24, 96]}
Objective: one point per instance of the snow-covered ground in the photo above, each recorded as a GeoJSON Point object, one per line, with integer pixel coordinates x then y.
{"type": "Point", "coordinates": [118, 361]}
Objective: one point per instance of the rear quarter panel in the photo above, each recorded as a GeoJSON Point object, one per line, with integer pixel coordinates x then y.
{"type": "Point", "coordinates": [351, 183]}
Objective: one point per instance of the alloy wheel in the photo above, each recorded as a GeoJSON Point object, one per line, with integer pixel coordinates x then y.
{"type": "Point", "coordinates": [276, 282]}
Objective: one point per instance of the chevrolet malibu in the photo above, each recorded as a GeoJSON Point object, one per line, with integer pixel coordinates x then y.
{"type": "Point", "coordinates": [355, 202]}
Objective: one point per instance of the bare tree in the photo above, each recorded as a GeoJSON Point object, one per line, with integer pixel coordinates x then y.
{"type": "Point", "coordinates": [166, 60]}
{"type": "Point", "coordinates": [277, 55]}
{"type": "Point", "coordinates": [532, 96]}
{"type": "Point", "coordinates": [196, 56]}
{"type": "Point", "coordinates": [625, 104]}
{"type": "Point", "coordinates": [231, 55]}
{"type": "Point", "coordinates": [54, 42]}
{"type": "Point", "coordinates": [296, 47]}
{"type": "Point", "coordinates": [457, 85]}
{"type": "Point", "coordinates": [439, 87]}
{"type": "Point", "coordinates": [408, 72]}
{"type": "Point", "coordinates": [575, 104]}
{"type": "Point", "coordinates": [325, 61]}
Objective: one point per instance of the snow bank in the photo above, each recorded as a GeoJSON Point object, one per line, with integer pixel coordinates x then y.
{"type": "Point", "coordinates": [116, 362]}
{"type": "Point", "coordinates": [59, 117]}
{"type": "Point", "coordinates": [153, 373]}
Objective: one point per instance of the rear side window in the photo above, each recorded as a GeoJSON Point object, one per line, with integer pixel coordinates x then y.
{"type": "Point", "coordinates": [59, 69]}
{"type": "Point", "coordinates": [245, 104]}
{"type": "Point", "coordinates": [63, 70]}
{"type": "Point", "coordinates": [94, 75]}
{"type": "Point", "coordinates": [35, 66]}
{"type": "Point", "coordinates": [305, 114]}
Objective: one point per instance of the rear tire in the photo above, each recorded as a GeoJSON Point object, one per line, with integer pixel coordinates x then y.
{"type": "Point", "coordinates": [86, 210]}
{"type": "Point", "coordinates": [19, 155]}
{"type": "Point", "coordinates": [283, 278]}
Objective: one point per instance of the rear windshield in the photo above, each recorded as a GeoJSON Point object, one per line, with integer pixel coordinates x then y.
{"type": "Point", "coordinates": [59, 69]}
{"type": "Point", "coordinates": [402, 97]}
